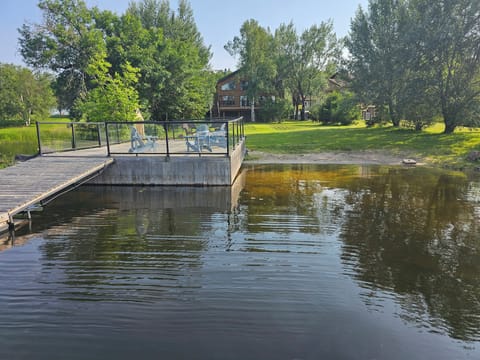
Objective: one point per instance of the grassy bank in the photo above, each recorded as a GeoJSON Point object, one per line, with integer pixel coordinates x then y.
{"type": "Point", "coordinates": [309, 137]}
{"type": "Point", "coordinates": [16, 140]}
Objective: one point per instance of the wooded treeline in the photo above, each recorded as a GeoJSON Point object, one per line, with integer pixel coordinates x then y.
{"type": "Point", "coordinates": [107, 66]}
{"type": "Point", "coordinates": [413, 60]}
{"type": "Point", "coordinates": [418, 59]}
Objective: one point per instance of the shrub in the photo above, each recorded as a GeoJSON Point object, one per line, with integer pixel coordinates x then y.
{"type": "Point", "coordinates": [274, 110]}
{"type": "Point", "coordinates": [338, 108]}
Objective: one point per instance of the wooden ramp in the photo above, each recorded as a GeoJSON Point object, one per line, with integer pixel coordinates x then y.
{"type": "Point", "coordinates": [30, 182]}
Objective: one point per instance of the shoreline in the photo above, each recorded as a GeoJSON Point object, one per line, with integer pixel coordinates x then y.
{"type": "Point", "coordinates": [340, 157]}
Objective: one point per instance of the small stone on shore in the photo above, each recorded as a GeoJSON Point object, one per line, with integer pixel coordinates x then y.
{"type": "Point", "coordinates": [409, 161]}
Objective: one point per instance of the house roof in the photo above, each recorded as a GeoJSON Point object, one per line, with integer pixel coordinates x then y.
{"type": "Point", "coordinates": [226, 77]}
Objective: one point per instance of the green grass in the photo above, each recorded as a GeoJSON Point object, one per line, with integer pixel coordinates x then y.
{"type": "Point", "coordinates": [16, 140]}
{"type": "Point", "coordinates": [302, 137]}
{"type": "Point", "coordinates": [309, 137]}
{"type": "Point", "coordinates": [23, 140]}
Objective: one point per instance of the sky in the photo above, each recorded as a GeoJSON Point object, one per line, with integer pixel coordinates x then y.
{"type": "Point", "coordinates": [218, 21]}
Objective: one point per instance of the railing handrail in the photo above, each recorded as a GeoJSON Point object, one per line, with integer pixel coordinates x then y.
{"type": "Point", "coordinates": [234, 133]}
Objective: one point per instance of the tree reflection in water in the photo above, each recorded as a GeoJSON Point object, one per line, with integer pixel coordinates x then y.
{"type": "Point", "coordinates": [408, 234]}
{"type": "Point", "coordinates": [414, 233]}
{"type": "Point", "coordinates": [129, 240]}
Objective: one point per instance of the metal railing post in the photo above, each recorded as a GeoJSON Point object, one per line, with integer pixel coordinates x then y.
{"type": "Point", "coordinates": [107, 138]}
{"type": "Point", "coordinates": [74, 142]}
{"type": "Point", "coordinates": [165, 128]}
{"type": "Point", "coordinates": [243, 128]}
{"type": "Point", "coordinates": [117, 133]}
{"type": "Point", "coordinates": [234, 136]}
{"type": "Point", "coordinates": [37, 125]}
{"type": "Point", "coordinates": [99, 135]}
{"type": "Point", "coordinates": [228, 138]}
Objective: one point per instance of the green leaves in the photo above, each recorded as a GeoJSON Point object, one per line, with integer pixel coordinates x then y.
{"type": "Point", "coordinates": [285, 61]}
{"type": "Point", "coordinates": [254, 47]}
{"type": "Point", "coordinates": [95, 51]}
{"type": "Point", "coordinates": [419, 58]}
{"type": "Point", "coordinates": [24, 95]}
{"type": "Point", "coordinates": [115, 97]}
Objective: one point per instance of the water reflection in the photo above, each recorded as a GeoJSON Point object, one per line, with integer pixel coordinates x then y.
{"type": "Point", "coordinates": [408, 234]}
{"type": "Point", "coordinates": [125, 237]}
{"type": "Point", "coordinates": [415, 233]}
{"type": "Point", "coordinates": [293, 262]}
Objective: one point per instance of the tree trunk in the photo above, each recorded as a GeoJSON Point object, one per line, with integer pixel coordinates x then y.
{"type": "Point", "coordinates": [448, 117]}
{"type": "Point", "coordinates": [449, 126]}
{"type": "Point", "coordinates": [252, 110]}
{"type": "Point", "coordinates": [302, 113]}
{"type": "Point", "coordinates": [295, 108]}
{"type": "Point", "coordinates": [393, 115]}
{"type": "Point", "coordinates": [27, 117]}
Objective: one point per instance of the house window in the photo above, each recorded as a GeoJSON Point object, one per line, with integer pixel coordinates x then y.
{"type": "Point", "coordinates": [228, 86]}
{"type": "Point", "coordinates": [244, 85]}
{"type": "Point", "coordinates": [244, 101]}
{"type": "Point", "coordinates": [228, 100]}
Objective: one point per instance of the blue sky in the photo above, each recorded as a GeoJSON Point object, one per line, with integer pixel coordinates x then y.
{"type": "Point", "coordinates": [218, 20]}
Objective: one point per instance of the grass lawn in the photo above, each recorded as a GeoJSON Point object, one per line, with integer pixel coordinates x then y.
{"type": "Point", "coordinates": [16, 140]}
{"type": "Point", "coordinates": [21, 140]}
{"type": "Point", "coordinates": [309, 137]}
{"type": "Point", "coordinates": [300, 137]}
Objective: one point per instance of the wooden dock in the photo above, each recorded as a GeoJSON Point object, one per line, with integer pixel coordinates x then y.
{"type": "Point", "coordinates": [31, 182]}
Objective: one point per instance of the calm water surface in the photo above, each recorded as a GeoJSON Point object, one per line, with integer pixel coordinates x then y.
{"type": "Point", "coordinates": [294, 262]}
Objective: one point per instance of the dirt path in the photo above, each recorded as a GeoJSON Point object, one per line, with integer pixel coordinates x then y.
{"type": "Point", "coordinates": [357, 157]}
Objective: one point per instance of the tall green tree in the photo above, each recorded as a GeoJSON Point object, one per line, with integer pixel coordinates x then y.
{"type": "Point", "coordinates": [175, 80]}
{"type": "Point", "coordinates": [114, 98]}
{"type": "Point", "coordinates": [165, 45]}
{"type": "Point", "coordinates": [24, 95]}
{"type": "Point", "coordinates": [305, 61]}
{"type": "Point", "coordinates": [64, 43]}
{"type": "Point", "coordinates": [254, 47]}
{"type": "Point", "coordinates": [449, 47]}
{"type": "Point", "coordinates": [379, 56]}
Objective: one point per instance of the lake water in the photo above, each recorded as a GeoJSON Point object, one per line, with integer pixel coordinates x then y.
{"type": "Point", "coordinates": [293, 262]}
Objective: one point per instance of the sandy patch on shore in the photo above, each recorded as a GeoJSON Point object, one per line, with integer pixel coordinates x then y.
{"type": "Point", "coordinates": [357, 157]}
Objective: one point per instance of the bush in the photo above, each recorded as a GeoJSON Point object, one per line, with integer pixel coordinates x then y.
{"type": "Point", "coordinates": [274, 110]}
{"type": "Point", "coordinates": [11, 123]}
{"type": "Point", "coordinates": [338, 108]}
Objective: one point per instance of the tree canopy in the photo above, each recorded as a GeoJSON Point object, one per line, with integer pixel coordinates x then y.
{"type": "Point", "coordinates": [165, 46]}
{"type": "Point", "coordinates": [305, 61]}
{"type": "Point", "coordinates": [254, 47]}
{"type": "Point", "coordinates": [418, 58]}
{"type": "Point", "coordinates": [286, 61]}
{"type": "Point", "coordinates": [24, 95]}
{"type": "Point", "coordinates": [414, 60]}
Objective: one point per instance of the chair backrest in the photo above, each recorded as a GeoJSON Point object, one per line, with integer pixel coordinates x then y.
{"type": "Point", "coordinates": [202, 130]}
{"type": "Point", "coordinates": [135, 136]}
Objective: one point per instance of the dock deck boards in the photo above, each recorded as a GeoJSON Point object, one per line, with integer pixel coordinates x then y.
{"type": "Point", "coordinates": [27, 183]}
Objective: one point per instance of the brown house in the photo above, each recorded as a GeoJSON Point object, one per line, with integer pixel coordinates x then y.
{"type": "Point", "coordinates": [231, 97]}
